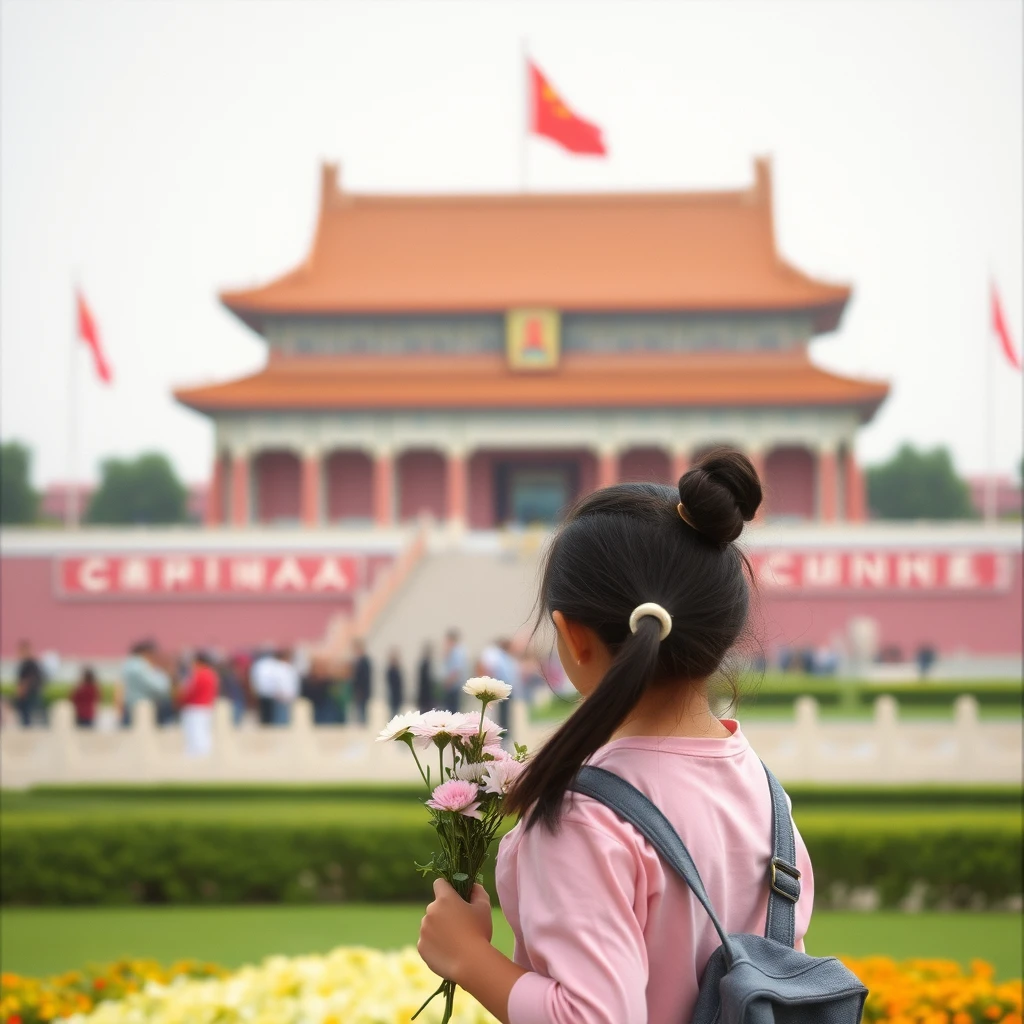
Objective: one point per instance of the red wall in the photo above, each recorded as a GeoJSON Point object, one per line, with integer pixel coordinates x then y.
{"type": "Point", "coordinates": [278, 487]}
{"type": "Point", "coordinates": [421, 485]}
{"type": "Point", "coordinates": [104, 629]}
{"type": "Point", "coordinates": [982, 623]}
{"type": "Point", "coordinates": [349, 486]}
{"type": "Point", "coordinates": [985, 622]}
{"type": "Point", "coordinates": [790, 479]}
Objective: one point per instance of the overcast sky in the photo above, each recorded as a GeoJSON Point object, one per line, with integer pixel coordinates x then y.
{"type": "Point", "coordinates": [160, 150]}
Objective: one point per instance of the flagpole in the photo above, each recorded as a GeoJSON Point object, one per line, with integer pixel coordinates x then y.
{"type": "Point", "coordinates": [524, 142]}
{"type": "Point", "coordinates": [990, 421]}
{"type": "Point", "coordinates": [71, 509]}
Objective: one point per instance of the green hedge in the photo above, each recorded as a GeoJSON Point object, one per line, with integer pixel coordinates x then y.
{"type": "Point", "coordinates": [773, 692]}
{"type": "Point", "coordinates": [184, 862]}
{"type": "Point", "coordinates": [803, 794]}
{"type": "Point", "coordinates": [177, 861]}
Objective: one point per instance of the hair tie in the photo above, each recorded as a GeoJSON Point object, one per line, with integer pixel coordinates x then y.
{"type": "Point", "coordinates": [656, 612]}
{"type": "Point", "coordinates": [681, 509]}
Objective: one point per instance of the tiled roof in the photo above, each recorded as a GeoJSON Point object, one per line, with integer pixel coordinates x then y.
{"type": "Point", "coordinates": [581, 381]}
{"type": "Point", "coordinates": [690, 251]}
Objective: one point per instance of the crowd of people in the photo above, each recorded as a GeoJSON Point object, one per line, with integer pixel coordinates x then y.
{"type": "Point", "coordinates": [264, 683]}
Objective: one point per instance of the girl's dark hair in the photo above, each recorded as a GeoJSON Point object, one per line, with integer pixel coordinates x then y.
{"type": "Point", "coordinates": [620, 547]}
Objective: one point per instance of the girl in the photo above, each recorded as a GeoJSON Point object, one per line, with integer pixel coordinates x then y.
{"type": "Point", "coordinates": [604, 932]}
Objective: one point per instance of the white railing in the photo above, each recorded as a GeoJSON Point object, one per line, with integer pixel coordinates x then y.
{"type": "Point", "coordinates": [882, 750]}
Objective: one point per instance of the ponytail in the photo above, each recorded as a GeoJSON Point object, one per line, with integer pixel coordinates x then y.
{"type": "Point", "coordinates": [549, 773]}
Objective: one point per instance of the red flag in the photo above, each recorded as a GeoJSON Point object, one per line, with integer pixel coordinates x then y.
{"type": "Point", "coordinates": [552, 118]}
{"type": "Point", "coordinates": [1002, 331]}
{"type": "Point", "coordinates": [88, 333]}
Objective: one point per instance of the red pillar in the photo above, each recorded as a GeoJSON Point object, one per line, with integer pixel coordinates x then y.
{"type": "Point", "coordinates": [384, 490]}
{"type": "Point", "coordinates": [215, 495]}
{"type": "Point", "coordinates": [856, 511]}
{"type": "Point", "coordinates": [680, 464]}
{"type": "Point", "coordinates": [311, 478]}
{"type": "Point", "coordinates": [756, 456]}
{"type": "Point", "coordinates": [607, 468]}
{"type": "Point", "coordinates": [240, 512]}
{"type": "Point", "coordinates": [457, 488]}
{"type": "Point", "coordinates": [828, 486]}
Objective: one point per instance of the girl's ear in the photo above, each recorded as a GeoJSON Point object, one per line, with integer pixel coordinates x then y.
{"type": "Point", "coordinates": [575, 636]}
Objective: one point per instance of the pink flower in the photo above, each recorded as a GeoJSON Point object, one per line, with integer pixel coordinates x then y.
{"type": "Point", "coordinates": [456, 795]}
{"type": "Point", "coordinates": [497, 752]}
{"type": "Point", "coordinates": [500, 775]}
{"type": "Point", "coordinates": [469, 728]}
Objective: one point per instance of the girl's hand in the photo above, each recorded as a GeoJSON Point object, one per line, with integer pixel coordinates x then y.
{"type": "Point", "coordinates": [452, 930]}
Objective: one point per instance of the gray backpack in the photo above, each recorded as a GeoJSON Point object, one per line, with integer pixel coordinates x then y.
{"type": "Point", "coordinates": [749, 979]}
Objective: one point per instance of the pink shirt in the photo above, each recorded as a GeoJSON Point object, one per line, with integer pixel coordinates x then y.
{"type": "Point", "coordinates": [610, 935]}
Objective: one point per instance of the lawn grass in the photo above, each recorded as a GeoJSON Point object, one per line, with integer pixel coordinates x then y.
{"type": "Point", "coordinates": [45, 941]}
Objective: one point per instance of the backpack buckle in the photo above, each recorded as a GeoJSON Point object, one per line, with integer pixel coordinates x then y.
{"type": "Point", "coordinates": [785, 879]}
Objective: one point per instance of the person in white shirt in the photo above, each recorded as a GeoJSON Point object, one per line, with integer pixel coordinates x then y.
{"type": "Point", "coordinates": [275, 681]}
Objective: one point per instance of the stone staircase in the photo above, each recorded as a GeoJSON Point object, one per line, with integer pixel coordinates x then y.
{"type": "Point", "coordinates": [484, 586]}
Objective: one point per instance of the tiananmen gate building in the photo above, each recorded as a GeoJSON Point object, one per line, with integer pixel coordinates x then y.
{"type": "Point", "coordinates": [486, 359]}
{"type": "Point", "coordinates": [444, 371]}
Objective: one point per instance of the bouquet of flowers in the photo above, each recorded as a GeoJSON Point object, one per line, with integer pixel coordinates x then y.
{"type": "Point", "coordinates": [474, 772]}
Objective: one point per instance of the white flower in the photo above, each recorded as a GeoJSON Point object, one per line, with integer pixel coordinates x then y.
{"type": "Point", "coordinates": [436, 727]}
{"type": "Point", "coordinates": [471, 771]}
{"type": "Point", "coordinates": [397, 728]}
{"type": "Point", "coordinates": [500, 775]}
{"type": "Point", "coordinates": [487, 689]}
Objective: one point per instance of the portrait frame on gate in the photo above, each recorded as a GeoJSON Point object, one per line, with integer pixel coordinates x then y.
{"type": "Point", "coordinates": [533, 339]}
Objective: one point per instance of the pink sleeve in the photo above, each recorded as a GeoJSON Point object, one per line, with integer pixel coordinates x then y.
{"type": "Point", "coordinates": [805, 904]}
{"type": "Point", "coordinates": [576, 906]}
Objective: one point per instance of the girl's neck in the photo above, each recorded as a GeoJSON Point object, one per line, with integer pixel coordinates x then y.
{"type": "Point", "coordinates": [673, 711]}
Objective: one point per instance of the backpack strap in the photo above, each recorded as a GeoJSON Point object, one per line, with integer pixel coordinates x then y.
{"type": "Point", "coordinates": [783, 875]}
{"type": "Point", "coordinates": [633, 807]}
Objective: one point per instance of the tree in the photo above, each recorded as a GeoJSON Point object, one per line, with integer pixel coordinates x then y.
{"type": "Point", "coordinates": [141, 490]}
{"type": "Point", "coordinates": [18, 502]}
{"type": "Point", "coordinates": [918, 485]}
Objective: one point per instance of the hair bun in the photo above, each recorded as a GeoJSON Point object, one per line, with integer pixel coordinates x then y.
{"type": "Point", "coordinates": [720, 492]}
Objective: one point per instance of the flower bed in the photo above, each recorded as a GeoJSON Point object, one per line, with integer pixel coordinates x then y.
{"type": "Point", "coordinates": [348, 986]}
{"type": "Point", "coordinates": [363, 986]}
{"type": "Point", "coordinates": [936, 992]}
{"type": "Point", "coordinates": [36, 1001]}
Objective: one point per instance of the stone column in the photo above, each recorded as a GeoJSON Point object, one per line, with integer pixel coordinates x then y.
{"type": "Point", "coordinates": [607, 466]}
{"type": "Point", "coordinates": [241, 488]}
{"type": "Point", "coordinates": [384, 488]}
{"type": "Point", "coordinates": [856, 506]}
{"type": "Point", "coordinates": [312, 485]}
{"type": "Point", "coordinates": [756, 454]}
{"type": "Point", "coordinates": [457, 487]}
{"type": "Point", "coordinates": [828, 484]}
{"type": "Point", "coordinates": [680, 463]}
{"type": "Point", "coordinates": [215, 495]}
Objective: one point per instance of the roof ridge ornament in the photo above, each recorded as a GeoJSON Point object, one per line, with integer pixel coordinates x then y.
{"type": "Point", "coordinates": [330, 184]}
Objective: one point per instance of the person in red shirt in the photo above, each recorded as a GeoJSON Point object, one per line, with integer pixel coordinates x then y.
{"type": "Point", "coordinates": [85, 696]}
{"type": "Point", "coordinates": [197, 697]}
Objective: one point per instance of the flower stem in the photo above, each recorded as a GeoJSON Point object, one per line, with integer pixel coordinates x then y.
{"type": "Point", "coordinates": [423, 776]}
{"type": "Point", "coordinates": [483, 710]}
